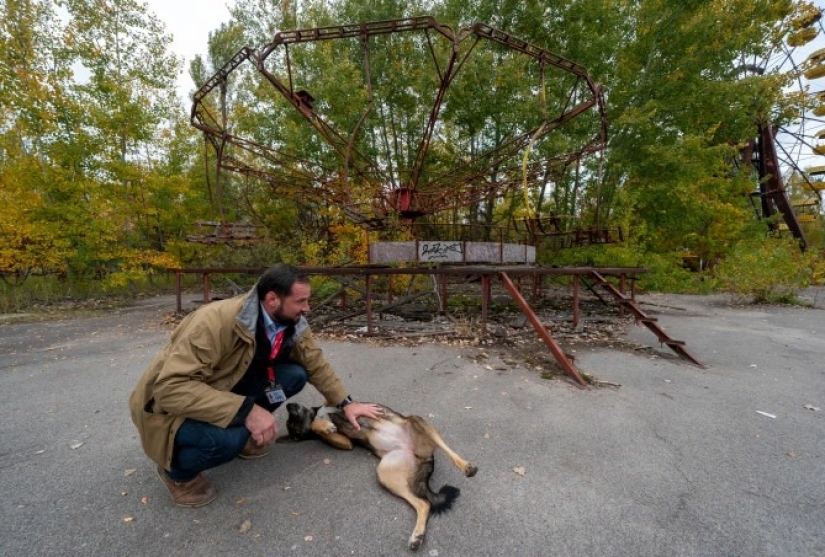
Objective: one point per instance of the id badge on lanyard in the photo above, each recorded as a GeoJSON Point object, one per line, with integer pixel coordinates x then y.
{"type": "Point", "coordinates": [274, 391]}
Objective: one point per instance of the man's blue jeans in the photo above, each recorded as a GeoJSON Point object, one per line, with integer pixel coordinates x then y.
{"type": "Point", "coordinates": [200, 446]}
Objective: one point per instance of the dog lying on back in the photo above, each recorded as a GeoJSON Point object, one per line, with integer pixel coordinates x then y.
{"type": "Point", "coordinates": [405, 445]}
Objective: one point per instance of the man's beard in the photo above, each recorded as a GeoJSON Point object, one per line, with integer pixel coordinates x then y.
{"type": "Point", "coordinates": [279, 316]}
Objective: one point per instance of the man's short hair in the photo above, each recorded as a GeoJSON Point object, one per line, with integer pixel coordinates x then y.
{"type": "Point", "coordinates": [279, 279]}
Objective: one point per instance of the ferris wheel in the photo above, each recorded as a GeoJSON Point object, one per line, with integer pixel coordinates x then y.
{"type": "Point", "coordinates": [788, 154]}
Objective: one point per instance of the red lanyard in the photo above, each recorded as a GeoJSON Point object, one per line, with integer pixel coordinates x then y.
{"type": "Point", "coordinates": [276, 347]}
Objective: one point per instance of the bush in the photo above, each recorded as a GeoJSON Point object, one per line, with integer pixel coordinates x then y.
{"type": "Point", "coordinates": [770, 270]}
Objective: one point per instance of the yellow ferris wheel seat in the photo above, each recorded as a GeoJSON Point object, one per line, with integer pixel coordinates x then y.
{"type": "Point", "coordinates": [816, 177]}
{"type": "Point", "coordinates": [800, 203]}
{"type": "Point", "coordinates": [809, 16]}
{"type": "Point", "coordinates": [803, 36]}
{"type": "Point", "coordinates": [819, 110]}
{"type": "Point", "coordinates": [819, 148]}
{"type": "Point", "coordinates": [819, 99]}
{"type": "Point", "coordinates": [815, 64]}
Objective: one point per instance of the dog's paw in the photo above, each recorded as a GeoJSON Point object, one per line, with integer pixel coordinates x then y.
{"type": "Point", "coordinates": [470, 470]}
{"type": "Point", "coordinates": [337, 441]}
{"type": "Point", "coordinates": [415, 541]}
{"type": "Point", "coordinates": [323, 426]}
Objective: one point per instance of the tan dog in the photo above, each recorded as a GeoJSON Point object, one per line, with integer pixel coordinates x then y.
{"type": "Point", "coordinates": [405, 445]}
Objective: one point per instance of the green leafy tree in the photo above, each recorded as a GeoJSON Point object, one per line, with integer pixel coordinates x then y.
{"type": "Point", "coordinates": [130, 100]}
{"type": "Point", "coordinates": [679, 113]}
{"type": "Point", "coordinates": [94, 150]}
{"type": "Point", "coordinates": [36, 114]}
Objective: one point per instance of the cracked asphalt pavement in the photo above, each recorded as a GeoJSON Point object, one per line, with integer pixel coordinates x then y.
{"type": "Point", "coordinates": [675, 461]}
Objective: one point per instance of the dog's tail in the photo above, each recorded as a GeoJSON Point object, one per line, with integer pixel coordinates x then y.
{"type": "Point", "coordinates": [439, 502]}
{"type": "Point", "coordinates": [443, 500]}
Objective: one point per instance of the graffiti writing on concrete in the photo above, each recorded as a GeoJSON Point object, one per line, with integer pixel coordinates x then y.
{"type": "Point", "coordinates": [440, 251]}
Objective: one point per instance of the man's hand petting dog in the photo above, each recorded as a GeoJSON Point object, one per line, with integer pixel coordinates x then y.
{"type": "Point", "coordinates": [355, 410]}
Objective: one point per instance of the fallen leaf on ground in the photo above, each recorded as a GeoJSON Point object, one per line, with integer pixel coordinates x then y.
{"type": "Point", "coordinates": [809, 407]}
{"type": "Point", "coordinates": [130, 471]}
{"type": "Point", "coordinates": [307, 538]}
{"type": "Point", "coordinates": [519, 470]}
{"type": "Point", "coordinates": [144, 500]}
{"type": "Point", "coordinates": [76, 445]}
{"type": "Point", "coordinates": [245, 526]}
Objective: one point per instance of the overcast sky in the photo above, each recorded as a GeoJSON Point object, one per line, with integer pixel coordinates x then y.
{"type": "Point", "coordinates": [189, 22]}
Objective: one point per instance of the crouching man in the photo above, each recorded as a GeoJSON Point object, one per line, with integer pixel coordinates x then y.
{"type": "Point", "coordinates": [208, 396]}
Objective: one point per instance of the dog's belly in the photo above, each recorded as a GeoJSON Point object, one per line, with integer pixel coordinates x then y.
{"type": "Point", "coordinates": [387, 436]}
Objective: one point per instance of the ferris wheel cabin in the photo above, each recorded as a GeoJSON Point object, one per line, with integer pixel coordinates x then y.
{"type": "Point", "coordinates": [815, 176]}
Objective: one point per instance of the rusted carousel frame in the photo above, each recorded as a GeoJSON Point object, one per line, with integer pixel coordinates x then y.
{"type": "Point", "coordinates": [433, 196]}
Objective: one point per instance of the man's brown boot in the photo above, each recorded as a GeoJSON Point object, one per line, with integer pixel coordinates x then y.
{"type": "Point", "coordinates": [196, 492]}
{"type": "Point", "coordinates": [253, 450]}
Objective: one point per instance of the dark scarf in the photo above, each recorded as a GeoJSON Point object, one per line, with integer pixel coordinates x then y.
{"type": "Point", "coordinates": [255, 380]}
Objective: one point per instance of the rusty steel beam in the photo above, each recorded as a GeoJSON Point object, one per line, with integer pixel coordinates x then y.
{"type": "Point", "coordinates": [506, 39]}
{"type": "Point", "coordinates": [220, 76]}
{"type": "Point", "coordinates": [561, 358]}
{"type": "Point", "coordinates": [486, 295]}
{"type": "Point", "coordinates": [451, 270]}
{"type": "Point", "coordinates": [772, 185]}
{"type": "Point", "coordinates": [677, 346]}
{"type": "Point", "coordinates": [366, 29]}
